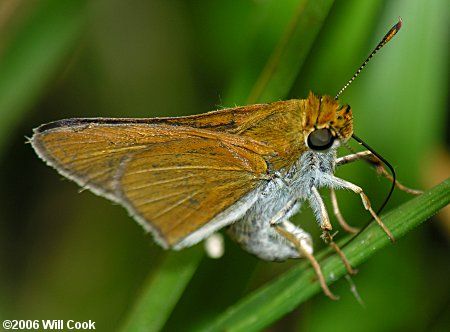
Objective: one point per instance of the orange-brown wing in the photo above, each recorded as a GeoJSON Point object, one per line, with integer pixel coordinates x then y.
{"type": "Point", "coordinates": [181, 184]}
{"type": "Point", "coordinates": [280, 125]}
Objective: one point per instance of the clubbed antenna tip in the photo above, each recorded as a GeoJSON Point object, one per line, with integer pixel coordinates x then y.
{"type": "Point", "coordinates": [387, 37]}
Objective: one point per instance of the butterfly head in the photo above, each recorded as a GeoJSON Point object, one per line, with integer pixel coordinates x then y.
{"type": "Point", "coordinates": [327, 123]}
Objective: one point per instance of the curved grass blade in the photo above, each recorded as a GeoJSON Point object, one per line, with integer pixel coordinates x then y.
{"type": "Point", "coordinates": [162, 291]}
{"type": "Point", "coordinates": [285, 62]}
{"type": "Point", "coordinates": [268, 304]}
{"type": "Point", "coordinates": [155, 305]}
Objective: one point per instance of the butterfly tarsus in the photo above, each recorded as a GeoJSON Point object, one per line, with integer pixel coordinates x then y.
{"type": "Point", "coordinates": [338, 214]}
{"type": "Point", "coordinates": [317, 204]}
{"type": "Point", "coordinates": [379, 166]}
{"type": "Point", "coordinates": [328, 238]}
{"type": "Point", "coordinates": [366, 202]}
{"type": "Point", "coordinates": [304, 252]}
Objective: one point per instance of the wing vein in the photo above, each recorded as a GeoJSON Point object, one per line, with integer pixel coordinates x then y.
{"type": "Point", "coordinates": [188, 167]}
{"type": "Point", "coordinates": [173, 206]}
{"type": "Point", "coordinates": [157, 183]}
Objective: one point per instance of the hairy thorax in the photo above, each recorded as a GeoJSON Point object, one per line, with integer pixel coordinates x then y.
{"type": "Point", "coordinates": [280, 199]}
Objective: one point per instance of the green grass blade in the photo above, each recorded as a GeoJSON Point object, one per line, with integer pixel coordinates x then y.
{"type": "Point", "coordinates": [273, 81]}
{"type": "Point", "coordinates": [163, 290]}
{"type": "Point", "coordinates": [281, 70]}
{"type": "Point", "coordinates": [297, 285]}
{"type": "Point", "coordinates": [32, 57]}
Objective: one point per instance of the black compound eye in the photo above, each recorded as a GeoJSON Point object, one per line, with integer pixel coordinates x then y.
{"type": "Point", "coordinates": [320, 139]}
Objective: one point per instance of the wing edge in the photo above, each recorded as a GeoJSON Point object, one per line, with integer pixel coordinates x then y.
{"type": "Point", "coordinates": [224, 218]}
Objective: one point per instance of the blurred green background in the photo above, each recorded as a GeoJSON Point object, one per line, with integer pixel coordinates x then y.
{"type": "Point", "coordinates": [65, 255]}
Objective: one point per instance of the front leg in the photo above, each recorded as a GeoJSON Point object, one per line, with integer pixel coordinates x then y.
{"type": "Point", "coordinates": [379, 166]}
{"type": "Point", "coordinates": [320, 211]}
{"type": "Point", "coordinates": [340, 183]}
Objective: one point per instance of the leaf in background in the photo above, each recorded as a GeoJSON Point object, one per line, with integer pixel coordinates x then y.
{"type": "Point", "coordinates": [296, 286]}
{"type": "Point", "coordinates": [283, 67]}
{"type": "Point", "coordinates": [162, 291]}
{"type": "Point", "coordinates": [31, 59]}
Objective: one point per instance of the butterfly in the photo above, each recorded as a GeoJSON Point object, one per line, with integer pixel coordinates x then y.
{"type": "Point", "coordinates": [246, 168]}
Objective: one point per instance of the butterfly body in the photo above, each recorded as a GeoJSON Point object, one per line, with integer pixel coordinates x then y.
{"type": "Point", "coordinates": [279, 199]}
{"type": "Point", "coordinates": [245, 168]}
{"type": "Point", "coordinates": [187, 177]}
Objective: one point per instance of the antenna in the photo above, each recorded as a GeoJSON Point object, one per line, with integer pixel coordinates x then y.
{"type": "Point", "coordinates": [387, 37]}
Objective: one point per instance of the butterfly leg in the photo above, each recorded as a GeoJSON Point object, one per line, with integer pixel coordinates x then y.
{"type": "Point", "coordinates": [338, 214]}
{"type": "Point", "coordinates": [365, 200]}
{"type": "Point", "coordinates": [303, 245]}
{"type": "Point", "coordinates": [379, 166]}
{"type": "Point", "coordinates": [319, 208]}
{"type": "Point", "coordinates": [305, 250]}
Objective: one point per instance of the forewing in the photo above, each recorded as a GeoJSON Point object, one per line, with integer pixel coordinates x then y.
{"type": "Point", "coordinates": [173, 181]}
